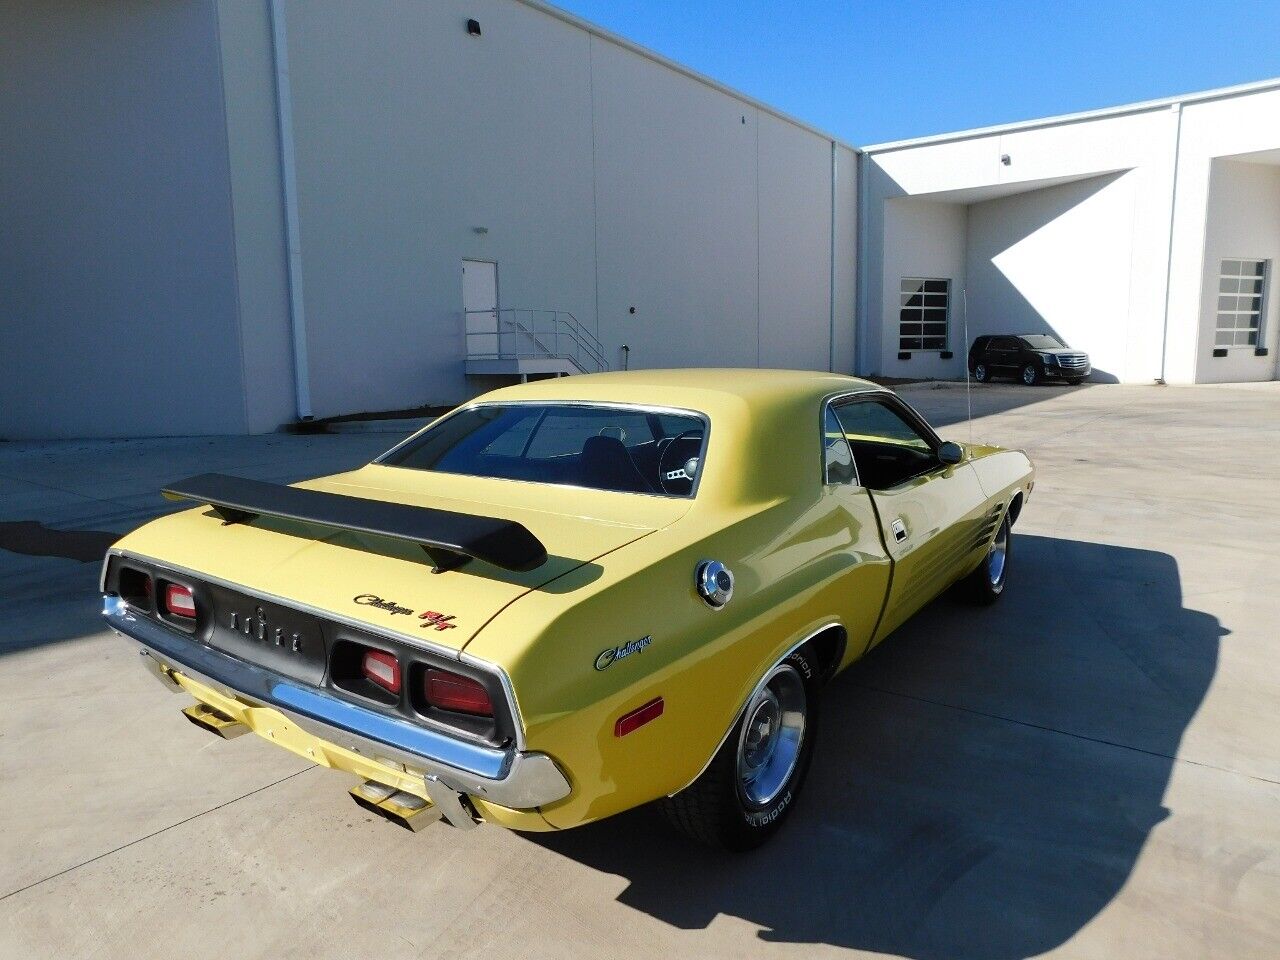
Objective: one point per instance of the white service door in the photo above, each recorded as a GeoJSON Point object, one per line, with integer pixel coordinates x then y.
{"type": "Point", "coordinates": [480, 306]}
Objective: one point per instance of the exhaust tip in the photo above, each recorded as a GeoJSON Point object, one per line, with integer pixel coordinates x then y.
{"type": "Point", "coordinates": [403, 809]}
{"type": "Point", "coordinates": [216, 722]}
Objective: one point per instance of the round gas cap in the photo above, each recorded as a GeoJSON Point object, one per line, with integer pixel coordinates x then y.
{"type": "Point", "coordinates": [714, 582]}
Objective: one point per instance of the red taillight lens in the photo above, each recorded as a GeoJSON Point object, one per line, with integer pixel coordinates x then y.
{"type": "Point", "coordinates": [449, 691]}
{"type": "Point", "coordinates": [179, 601]}
{"type": "Point", "coordinates": [383, 669]}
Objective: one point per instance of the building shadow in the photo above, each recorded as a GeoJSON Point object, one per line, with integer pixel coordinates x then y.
{"type": "Point", "coordinates": [984, 780]}
{"type": "Point", "coordinates": [948, 404]}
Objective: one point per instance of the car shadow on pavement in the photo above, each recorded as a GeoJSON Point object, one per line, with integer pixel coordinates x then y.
{"type": "Point", "coordinates": [984, 780]}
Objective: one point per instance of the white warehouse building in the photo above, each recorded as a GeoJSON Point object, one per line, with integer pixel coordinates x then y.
{"type": "Point", "coordinates": [1146, 235]}
{"type": "Point", "coordinates": [225, 216]}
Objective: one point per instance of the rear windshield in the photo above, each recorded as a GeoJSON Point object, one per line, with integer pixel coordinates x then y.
{"type": "Point", "coordinates": [1040, 341]}
{"type": "Point", "coordinates": [624, 449]}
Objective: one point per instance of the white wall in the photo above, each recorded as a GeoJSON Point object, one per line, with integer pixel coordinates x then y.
{"type": "Point", "coordinates": [1243, 222]}
{"type": "Point", "coordinates": [1096, 263]}
{"type": "Point", "coordinates": [921, 238]}
{"type": "Point", "coordinates": [1072, 233]}
{"type": "Point", "coordinates": [117, 285]}
{"type": "Point", "coordinates": [604, 181]}
{"type": "Point", "coordinates": [846, 260]}
{"type": "Point", "coordinates": [678, 216]}
{"type": "Point", "coordinates": [257, 205]}
{"type": "Point", "coordinates": [1217, 128]}
{"type": "Point", "coordinates": [1056, 261]}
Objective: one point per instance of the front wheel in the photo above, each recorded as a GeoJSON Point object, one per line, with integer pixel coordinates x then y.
{"type": "Point", "coordinates": [986, 584]}
{"type": "Point", "coordinates": [981, 373]}
{"type": "Point", "coordinates": [1030, 375]}
{"type": "Point", "coordinates": [751, 785]}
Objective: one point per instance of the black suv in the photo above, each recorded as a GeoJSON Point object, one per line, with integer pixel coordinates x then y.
{"type": "Point", "coordinates": [1030, 357]}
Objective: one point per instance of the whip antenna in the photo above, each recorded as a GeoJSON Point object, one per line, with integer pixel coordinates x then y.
{"type": "Point", "coordinates": [964, 318]}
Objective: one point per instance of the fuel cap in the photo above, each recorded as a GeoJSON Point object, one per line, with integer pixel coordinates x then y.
{"type": "Point", "coordinates": [714, 583]}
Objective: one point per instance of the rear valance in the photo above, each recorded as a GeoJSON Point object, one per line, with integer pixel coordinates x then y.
{"type": "Point", "coordinates": [449, 538]}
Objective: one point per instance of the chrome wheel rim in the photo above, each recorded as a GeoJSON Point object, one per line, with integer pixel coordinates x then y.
{"type": "Point", "coordinates": [1028, 375]}
{"type": "Point", "coordinates": [997, 554]}
{"type": "Point", "coordinates": [980, 372]}
{"type": "Point", "coordinates": [773, 731]}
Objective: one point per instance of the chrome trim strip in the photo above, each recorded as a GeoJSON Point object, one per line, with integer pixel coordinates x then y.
{"type": "Point", "coordinates": [510, 778]}
{"type": "Point", "coordinates": [764, 676]}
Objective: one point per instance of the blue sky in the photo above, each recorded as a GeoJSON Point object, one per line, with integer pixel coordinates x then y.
{"type": "Point", "coordinates": [880, 70]}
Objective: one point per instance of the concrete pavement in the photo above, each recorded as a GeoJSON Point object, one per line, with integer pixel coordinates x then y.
{"type": "Point", "coordinates": [1090, 768]}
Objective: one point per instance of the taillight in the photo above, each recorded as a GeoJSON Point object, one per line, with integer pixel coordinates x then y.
{"type": "Point", "coordinates": [136, 588]}
{"type": "Point", "coordinates": [451, 691]}
{"type": "Point", "coordinates": [179, 602]}
{"type": "Point", "coordinates": [383, 669]}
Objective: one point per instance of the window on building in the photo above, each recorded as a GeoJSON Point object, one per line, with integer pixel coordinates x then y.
{"type": "Point", "coordinates": [1241, 288]}
{"type": "Point", "coordinates": [924, 311]}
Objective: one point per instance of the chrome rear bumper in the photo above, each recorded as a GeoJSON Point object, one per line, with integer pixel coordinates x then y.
{"type": "Point", "coordinates": [508, 777]}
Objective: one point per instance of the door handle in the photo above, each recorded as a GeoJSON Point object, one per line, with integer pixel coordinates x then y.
{"type": "Point", "coordinates": [899, 530]}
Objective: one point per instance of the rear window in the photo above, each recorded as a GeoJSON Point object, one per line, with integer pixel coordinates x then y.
{"type": "Point", "coordinates": [623, 449]}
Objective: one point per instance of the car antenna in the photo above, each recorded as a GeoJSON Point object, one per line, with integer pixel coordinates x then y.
{"type": "Point", "coordinates": [968, 398]}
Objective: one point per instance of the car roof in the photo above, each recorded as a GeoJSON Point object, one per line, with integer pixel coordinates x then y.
{"type": "Point", "coordinates": [765, 441]}
{"type": "Point", "coordinates": [702, 389]}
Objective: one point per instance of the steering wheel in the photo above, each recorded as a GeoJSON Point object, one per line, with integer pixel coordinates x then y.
{"type": "Point", "coordinates": [678, 462]}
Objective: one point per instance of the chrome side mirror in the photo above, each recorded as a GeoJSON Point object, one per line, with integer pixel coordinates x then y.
{"type": "Point", "coordinates": [950, 453]}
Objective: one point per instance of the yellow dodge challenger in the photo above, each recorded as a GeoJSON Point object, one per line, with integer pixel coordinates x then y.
{"type": "Point", "coordinates": [572, 597]}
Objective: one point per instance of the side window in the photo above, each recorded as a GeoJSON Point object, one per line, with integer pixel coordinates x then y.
{"type": "Point", "coordinates": [837, 457]}
{"type": "Point", "coordinates": [871, 420]}
{"type": "Point", "coordinates": [887, 448]}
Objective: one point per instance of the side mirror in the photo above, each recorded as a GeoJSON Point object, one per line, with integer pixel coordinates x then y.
{"type": "Point", "coordinates": [950, 453]}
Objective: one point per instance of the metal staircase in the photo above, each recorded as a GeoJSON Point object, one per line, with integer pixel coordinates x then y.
{"type": "Point", "coordinates": [514, 342]}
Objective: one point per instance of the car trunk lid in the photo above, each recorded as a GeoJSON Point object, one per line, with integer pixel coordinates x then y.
{"type": "Point", "coordinates": [387, 584]}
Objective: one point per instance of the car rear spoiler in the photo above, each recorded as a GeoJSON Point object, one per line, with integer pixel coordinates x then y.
{"type": "Point", "coordinates": [450, 539]}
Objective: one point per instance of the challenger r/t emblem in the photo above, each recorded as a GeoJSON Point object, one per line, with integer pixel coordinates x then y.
{"type": "Point", "coordinates": [429, 618]}
{"type": "Point", "coordinates": [373, 600]}
{"type": "Point", "coordinates": [614, 654]}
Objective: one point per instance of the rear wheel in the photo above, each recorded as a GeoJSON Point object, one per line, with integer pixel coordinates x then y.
{"type": "Point", "coordinates": [986, 584]}
{"type": "Point", "coordinates": [1030, 375]}
{"type": "Point", "coordinates": [749, 788]}
{"type": "Point", "coordinates": [981, 373]}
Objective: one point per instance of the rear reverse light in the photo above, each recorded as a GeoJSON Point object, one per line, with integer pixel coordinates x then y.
{"type": "Point", "coordinates": [638, 718]}
{"type": "Point", "coordinates": [383, 669]}
{"type": "Point", "coordinates": [179, 601]}
{"type": "Point", "coordinates": [450, 691]}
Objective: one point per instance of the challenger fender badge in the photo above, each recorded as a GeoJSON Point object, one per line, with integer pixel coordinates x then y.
{"type": "Point", "coordinates": [613, 654]}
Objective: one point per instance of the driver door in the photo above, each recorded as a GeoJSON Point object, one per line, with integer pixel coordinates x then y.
{"type": "Point", "coordinates": [929, 512]}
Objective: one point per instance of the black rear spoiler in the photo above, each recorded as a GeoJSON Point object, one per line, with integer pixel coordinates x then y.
{"type": "Point", "coordinates": [450, 539]}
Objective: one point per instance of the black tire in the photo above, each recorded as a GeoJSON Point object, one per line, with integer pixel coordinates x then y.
{"type": "Point", "coordinates": [981, 373]}
{"type": "Point", "coordinates": [714, 811]}
{"type": "Point", "coordinates": [1030, 374]}
{"type": "Point", "coordinates": [985, 585]}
